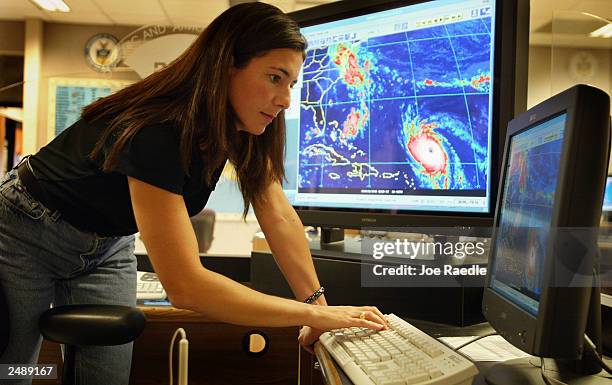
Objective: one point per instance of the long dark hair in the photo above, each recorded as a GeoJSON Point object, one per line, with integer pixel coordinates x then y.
{"type": "Point", "coordinates": [191, 93]}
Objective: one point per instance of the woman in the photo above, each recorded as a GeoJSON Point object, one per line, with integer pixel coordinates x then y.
{"type": "Point", "coordinates": [145, 159]}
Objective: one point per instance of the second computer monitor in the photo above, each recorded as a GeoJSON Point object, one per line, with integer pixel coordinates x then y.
{"type": "Point", "coordinates": [543, 258]}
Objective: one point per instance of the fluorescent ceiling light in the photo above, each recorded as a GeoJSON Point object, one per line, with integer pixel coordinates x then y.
{"type": "Point", "coordinates": [605, 31]}
{"type": "Point", "coordinates": [52, 5]}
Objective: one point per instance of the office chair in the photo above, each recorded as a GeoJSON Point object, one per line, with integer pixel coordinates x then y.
{"type": "Point", "coordinates": [204, 226]}
{"type": "Point", "coordinates": [80, 325]}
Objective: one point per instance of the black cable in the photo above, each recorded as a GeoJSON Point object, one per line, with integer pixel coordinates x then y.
{"type": "Point", "coordinates": [11, 86]}
{"type": "Point", "coordinates": [547, 379]}
{"type": "Point", "coordinates": [453, 349]}
{"type": "Point", "coordinates": [456, 350]}
{"type": "Point", "coordinates": [474, 340]}
{"type": "Point", "coordinates": [598, 358]}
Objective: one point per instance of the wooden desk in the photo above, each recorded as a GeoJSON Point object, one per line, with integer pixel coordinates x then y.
{"type": "Point", "coordinates": [217, 354]}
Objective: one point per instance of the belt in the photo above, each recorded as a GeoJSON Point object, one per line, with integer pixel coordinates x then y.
{"type": "Point", "coordinates": [31, 184]}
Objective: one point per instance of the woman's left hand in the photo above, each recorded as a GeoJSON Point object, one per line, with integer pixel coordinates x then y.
{"type": "Point", "coordinates": [308, 336]}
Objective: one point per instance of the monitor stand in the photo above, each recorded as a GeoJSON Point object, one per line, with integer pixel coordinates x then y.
{"type": "Point", "coordinates": [585, 371]}
{"type": "Point", "coordinates": [331, 235]}
{"type": "Point", "coordinates": [333, 241]}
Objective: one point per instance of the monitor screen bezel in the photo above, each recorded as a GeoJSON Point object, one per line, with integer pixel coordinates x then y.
{"type": "Point", "coordinates": [510, 64]}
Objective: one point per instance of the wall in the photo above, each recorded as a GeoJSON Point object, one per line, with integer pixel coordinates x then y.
{"type": "Point", "coordinates": [63, 56]}
{"type": "Point", "coordinates": [550, 71]}
{"type": "Point", "coordinates": [12, 37]}
{"type": "Point", "coordinates": [539, 87]}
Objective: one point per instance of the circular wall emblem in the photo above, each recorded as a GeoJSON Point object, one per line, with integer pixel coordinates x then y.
{"type": "Point", "coordinates": [102, 52]}
{"type": "Point", "coordinates": [583, 66]}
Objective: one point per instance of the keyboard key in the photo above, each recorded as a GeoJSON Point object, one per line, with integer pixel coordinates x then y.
{"type": "Point", "coordinates": [416, 378]}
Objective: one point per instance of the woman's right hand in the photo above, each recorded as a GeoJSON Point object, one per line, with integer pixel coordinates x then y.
{"type": "Point", "coordinates": [325, 318]}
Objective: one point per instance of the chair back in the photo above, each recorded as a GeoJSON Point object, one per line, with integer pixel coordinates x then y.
{"type": "Point", "coordinates": [204, 226]}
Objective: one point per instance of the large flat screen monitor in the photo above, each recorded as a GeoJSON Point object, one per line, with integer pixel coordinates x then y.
{"type": "Point", "coordinates": [400, 110]}
{"type": "Point", "coordinates": [542, 288]}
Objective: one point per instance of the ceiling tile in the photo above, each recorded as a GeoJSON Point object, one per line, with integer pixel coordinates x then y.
{"type": "Point", "coordinates": [131, 7]}
{"type": "Point", "coordinates": [80, 18]}
{"type": "Point", "coordinates": [140, 20]}
{"type": "Point", "coordinates": [194, 11]}
{"type": "Point", "coordinates": [202, 12]}
{"type": "Point", "coordinates": [78, 6]}
{"type": "Point", "coordinates": [14, 9]}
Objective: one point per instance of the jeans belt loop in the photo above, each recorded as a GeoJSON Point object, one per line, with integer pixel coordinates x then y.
{"type": "Point", "coordinates": [31, 184]}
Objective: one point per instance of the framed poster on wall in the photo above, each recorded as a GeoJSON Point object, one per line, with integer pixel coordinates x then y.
{"type": "Point", "coordinates": [68, 96]}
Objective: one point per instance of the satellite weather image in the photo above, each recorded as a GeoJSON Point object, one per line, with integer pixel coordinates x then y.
{"type": "Point", "coordinates": [406, 111]}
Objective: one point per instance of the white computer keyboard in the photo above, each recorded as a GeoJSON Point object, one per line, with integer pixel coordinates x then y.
{"type": "Point", "coordinates": [398, 356]}
{"type": "Point", "coordinates": [148, 286]}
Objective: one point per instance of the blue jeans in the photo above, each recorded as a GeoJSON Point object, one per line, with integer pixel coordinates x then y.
{"type": "Point", "coordinates": [45, 260]}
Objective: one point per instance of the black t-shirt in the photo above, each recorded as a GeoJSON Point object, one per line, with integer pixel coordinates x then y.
{"type": "Point", "coordinates": [100, 202]}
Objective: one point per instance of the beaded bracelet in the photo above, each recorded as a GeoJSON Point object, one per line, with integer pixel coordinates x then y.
{"type": "Point", "coordinates": [315, 295]}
